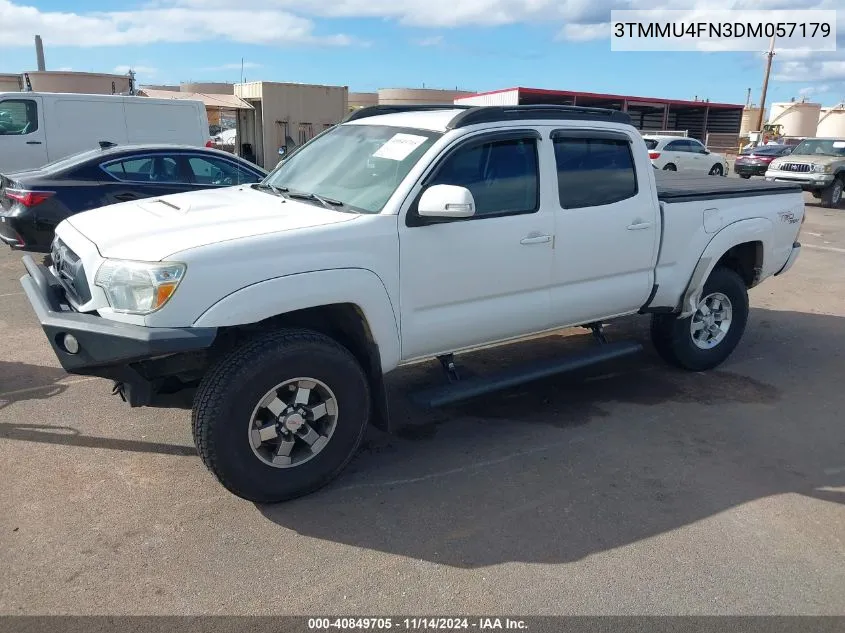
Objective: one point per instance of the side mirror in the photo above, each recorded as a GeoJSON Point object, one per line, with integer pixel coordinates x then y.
{"type": "Point", "coordinates": [446, 201]}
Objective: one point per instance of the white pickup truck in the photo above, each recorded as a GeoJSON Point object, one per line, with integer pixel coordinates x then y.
{"type": "Point", "coordinates": [399, 235]}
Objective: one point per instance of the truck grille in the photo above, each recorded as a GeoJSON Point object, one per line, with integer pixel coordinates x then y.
{"type": "Point", "coordinates": [799, 167]}
{"type": "Point", "coordinates": [70, 272]}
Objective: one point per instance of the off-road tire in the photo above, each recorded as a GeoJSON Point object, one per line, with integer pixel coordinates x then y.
{"type": "Point", "coordinates": [832, 196]}
{"type": "Point", "coordinates": [672, 337]}
{"type": "Point", "coordinates": [232, 388]}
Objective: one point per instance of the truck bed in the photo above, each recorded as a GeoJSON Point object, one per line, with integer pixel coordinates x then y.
{"type": "Point", "coordinates": [680, 187]}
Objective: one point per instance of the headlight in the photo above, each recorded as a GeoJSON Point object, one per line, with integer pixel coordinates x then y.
{"type": "Point", "coordinates": [822, 169]}
{"type": "Point", "coordinates": [138, 287]}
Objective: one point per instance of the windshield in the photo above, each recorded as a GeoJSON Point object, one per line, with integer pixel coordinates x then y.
{"type": "Point", "coordinates": [357, 165]}
{"type": "Point", "coordinates": [820, 147]}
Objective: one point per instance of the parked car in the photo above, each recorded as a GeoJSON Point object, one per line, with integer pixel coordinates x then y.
{"type": "Point", "coordinates": [285, 303]}
{"type": "Point", "coordinates": [755, 162]}
{"type": "Point", "coordinates": [817, 165]}
{"type": "Point", "coordinates": [680, 153]}
{"type": "Point", "coordinates": [33, 203]}
{"type": "Point", "coordinates": [37, 128]}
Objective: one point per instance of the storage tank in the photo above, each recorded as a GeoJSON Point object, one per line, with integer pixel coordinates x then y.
{"type": "Point", "coordinates": [832, 121]}
{"type": "Point", "coordinates": [750, 120]}
{"type": "Point", "coordinates": [77, 82]}
{"type": "Point", "coordinates": [798, 118]}
{"type": "Point", "coordinates": [413, 96]}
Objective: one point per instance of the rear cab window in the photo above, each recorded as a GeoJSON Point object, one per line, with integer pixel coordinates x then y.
{"type": "Point", "coordinates": [18, 117]}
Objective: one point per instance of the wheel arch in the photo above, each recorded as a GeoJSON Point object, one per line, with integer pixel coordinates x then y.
{"type": "Point", "coordinates": [351, 306]}
{"type": "Point", "coordinates": [741, 246]}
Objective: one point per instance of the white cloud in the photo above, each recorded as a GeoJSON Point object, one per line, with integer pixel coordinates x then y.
{"type": "Point", "coordinates": [434, 40]}
{"type": "Point", "coordinates": [813, 90]}
{"type": "Point", "coordinates": [19, 23]}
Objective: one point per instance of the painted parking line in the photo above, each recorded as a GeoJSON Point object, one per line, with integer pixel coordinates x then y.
{"type": "Point", "coordinates": [832, 249]}
{"type": "Point", "coordinates": [11, 294]}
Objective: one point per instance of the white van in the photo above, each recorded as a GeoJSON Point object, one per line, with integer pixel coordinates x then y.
{"type": "Point", "coordinates": [37, 128]}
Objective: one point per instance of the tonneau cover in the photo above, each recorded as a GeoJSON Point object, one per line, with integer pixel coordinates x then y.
{"type": "Point", "coordinates": [680, 187]}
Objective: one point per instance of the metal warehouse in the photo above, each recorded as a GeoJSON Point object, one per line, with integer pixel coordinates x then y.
{"type": "Point", "coordinates": [697, 118]}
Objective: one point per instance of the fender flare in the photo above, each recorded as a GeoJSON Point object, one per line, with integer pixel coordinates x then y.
{"type": "Point", "coordinates": [280, 295]}
{"type": "Point", "coordinates": [740, 232]}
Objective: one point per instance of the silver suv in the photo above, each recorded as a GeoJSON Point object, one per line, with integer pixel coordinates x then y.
{"type": "Point", "coordinates": [818, 165]}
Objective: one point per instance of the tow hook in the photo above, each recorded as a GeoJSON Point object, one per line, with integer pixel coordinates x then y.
{"type": "Point", "coordinates": [120, 389]}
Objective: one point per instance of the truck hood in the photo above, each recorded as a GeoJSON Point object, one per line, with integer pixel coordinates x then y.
{"type": "Point", "coordinates": [154, 228]}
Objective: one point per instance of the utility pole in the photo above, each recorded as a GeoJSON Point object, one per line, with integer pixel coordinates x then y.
{"type": "Point", "coordinates": [769, 56]}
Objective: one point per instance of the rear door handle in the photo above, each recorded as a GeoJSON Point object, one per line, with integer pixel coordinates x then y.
{"type": "Point", "coordinates": [33, 142]}
{"type": "Point", "coordinates": [536, 239]}
{"type": "Point", "coordinates": [639, 226]}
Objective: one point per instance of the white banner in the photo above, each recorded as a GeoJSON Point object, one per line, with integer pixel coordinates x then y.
{"type": "Point", "coordinates": [722, 30]}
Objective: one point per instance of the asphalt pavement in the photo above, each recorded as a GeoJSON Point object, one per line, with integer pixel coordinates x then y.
{"type": "Point", "coordinates": [639, 489]}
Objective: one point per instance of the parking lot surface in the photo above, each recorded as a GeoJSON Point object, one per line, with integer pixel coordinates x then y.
{"type": "Point", "coordinates": [637, 489]}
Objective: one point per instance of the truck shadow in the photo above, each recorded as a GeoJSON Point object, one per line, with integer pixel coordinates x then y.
{"type": "Point", "coordinates": [561, 469]}
{"type": "Point", "coordinates": [16, 380]}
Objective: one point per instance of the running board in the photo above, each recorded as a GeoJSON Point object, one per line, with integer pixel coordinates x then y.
{"type": "Point", "coordinates": [476, 386]}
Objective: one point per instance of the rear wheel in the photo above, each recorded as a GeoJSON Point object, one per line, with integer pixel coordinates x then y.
{"type": "Point", "coordinates": [716, 170]}
{"type": "Point", "coordinates": [817, 194]}
{"type": "Point", "coordinates": [281, 416]}
{"type": "Point", "coordinates": [831, 196]}
{"type": "Point", "coordinates": [746, 176]}
{"type": "Point", "coordinates": [670, 167]}
{"type": "Point", "coordinates": [705, 339]}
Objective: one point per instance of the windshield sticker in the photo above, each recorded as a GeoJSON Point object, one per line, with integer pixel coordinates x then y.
{"type": "Point", "coordinates": [399, 146]}
{"type": "Point", "coordinates": [839, 144]}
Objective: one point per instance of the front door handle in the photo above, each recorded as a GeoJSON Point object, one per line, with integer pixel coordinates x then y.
{"type": "Point", "coordinates": [536, 239]}
{"type": "Point", "coordinates": [639, 226]}
{"type": "Point", "coordinates": [33, 142]}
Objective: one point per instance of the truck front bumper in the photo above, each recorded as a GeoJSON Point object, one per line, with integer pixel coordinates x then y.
{"type": "Point", "coordinates": [808, 182]}
{"type": "Point", "coordinates": [90, 345]}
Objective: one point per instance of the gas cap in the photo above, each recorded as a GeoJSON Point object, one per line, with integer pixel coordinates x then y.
{"type": "Point", "coordinates": [712, 220]}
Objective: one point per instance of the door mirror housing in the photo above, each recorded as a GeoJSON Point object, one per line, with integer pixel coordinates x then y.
{"type": "Point", "coordinates": [446, 201]}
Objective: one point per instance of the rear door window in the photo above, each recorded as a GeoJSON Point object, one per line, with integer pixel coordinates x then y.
{"type": "Point", "coordinates": [213, 171]}
{"type": "Point", "coordinates": [158, 169]}
{"type": "Point", "coordinates": [593, 171]}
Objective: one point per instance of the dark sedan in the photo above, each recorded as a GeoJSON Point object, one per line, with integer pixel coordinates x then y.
{"type": "Point", "coordinates": [32, 203]}
{"type": "Point", "coordinates": [756, 161]}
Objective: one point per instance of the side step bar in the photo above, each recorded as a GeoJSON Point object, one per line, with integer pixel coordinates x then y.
{"type": "Point", "coordinates": [511, 377]}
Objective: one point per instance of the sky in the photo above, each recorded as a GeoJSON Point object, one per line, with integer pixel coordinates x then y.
{"type": "Point", "coordinates": [475, 45]}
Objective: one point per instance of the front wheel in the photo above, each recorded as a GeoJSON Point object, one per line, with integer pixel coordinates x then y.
{"type": "Point", "coordinates": [281, 415]}
{"type": "Point", "coordinates": [705, 339]}
{"type": "Point", "coordinates": [746, 176]}
{"type": "Point", "coordinates": [716, 170]}
{"type": "Point", "coordinates": [832, 195]}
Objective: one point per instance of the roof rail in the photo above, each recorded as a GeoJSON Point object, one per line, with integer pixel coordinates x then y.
{"type": "Point", "coordinates": [376, 110]}
{"type": "Point", "coordinates": [492, 114]}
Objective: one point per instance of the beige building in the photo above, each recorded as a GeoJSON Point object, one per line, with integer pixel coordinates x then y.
{"type": "Point", "coordinates": [284, 116]}
{"type": "Point", "coordinates": [362, 100]}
